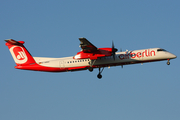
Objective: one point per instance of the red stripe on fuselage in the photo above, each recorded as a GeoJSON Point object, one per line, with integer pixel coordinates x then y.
{"type": "Point", "coordinates": [37, 67]}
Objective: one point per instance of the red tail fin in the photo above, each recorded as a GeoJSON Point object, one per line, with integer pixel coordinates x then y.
{"type": "Point", "coordinates": [19, 53]}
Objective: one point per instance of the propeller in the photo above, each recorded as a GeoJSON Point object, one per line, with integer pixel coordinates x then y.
{"type": "Point", "coordinates": [114, 50]}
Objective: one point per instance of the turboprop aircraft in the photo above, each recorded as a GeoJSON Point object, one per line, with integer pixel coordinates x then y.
{"type": "Point", "coordinates": [89, 57]}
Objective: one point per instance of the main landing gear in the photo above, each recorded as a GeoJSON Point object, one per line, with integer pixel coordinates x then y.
{"type": "Point", "coordinates": [91, 63]}
{"type": "Point", "coordinates": [100, 71]}
{"type": "Point", "coordinates": [90, 69]}
{"type": "Point", "coordinates": [99, 74]}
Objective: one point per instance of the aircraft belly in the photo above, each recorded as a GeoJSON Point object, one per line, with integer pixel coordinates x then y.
{"type": "Point", "coordinates": [75, 64]}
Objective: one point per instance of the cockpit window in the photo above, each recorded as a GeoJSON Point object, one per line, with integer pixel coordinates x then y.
{"type": "Point", "coordinates": [161, 50]}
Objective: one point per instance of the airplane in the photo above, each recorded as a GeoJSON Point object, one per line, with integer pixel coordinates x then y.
{"type": "Point", "coordinates": [88, 58]}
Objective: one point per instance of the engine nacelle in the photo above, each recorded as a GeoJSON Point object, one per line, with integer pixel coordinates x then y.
{"type": "Point", "coordinates": [101, 52]}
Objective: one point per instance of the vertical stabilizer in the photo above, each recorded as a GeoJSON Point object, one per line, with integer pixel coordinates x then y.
{"type": "Point", "coordinates": [19, 53]}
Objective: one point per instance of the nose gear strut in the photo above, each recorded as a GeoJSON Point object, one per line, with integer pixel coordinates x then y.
{"type": "Point", "coordinates": [168, 63]}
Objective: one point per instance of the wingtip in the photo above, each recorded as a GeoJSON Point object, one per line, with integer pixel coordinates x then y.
{"type": "Point", "coordinates": [82, 38]}
{"type": "Point", "coordinates": [6, 40]}
{"type": "Point", "coordinates": [10, 41]}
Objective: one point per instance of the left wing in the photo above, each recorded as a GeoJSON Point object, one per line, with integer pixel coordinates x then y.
{"type": "Point", "coordinates": [87, 47]}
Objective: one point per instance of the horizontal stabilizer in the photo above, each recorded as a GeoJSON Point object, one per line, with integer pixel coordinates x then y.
{"type": "Point", "coordinates": [14, 42]}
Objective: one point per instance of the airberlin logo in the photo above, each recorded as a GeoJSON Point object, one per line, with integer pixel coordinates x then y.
{"type": "Point", "coordinates": [18, 54]}
{"type": "Point", "coordinates": [133, 55]}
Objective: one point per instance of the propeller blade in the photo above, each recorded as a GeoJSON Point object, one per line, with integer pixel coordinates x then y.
{"type": "Point", "coordinates": [112, 44]}
{"type": "Point", "coordinates": [114, 50]}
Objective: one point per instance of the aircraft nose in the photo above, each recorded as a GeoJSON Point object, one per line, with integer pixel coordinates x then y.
{"type": "Point", "coordinates": [173, 56]}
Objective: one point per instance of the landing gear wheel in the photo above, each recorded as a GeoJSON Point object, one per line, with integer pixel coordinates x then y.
{"type": "Point", "coordinates": [91, 63]}
{"type": "Point", "coordinates": [168, 63]}
{"type": "Point", "coordinates": [99, 76]}
{"type": "Point", "coordinates": [90, 69]}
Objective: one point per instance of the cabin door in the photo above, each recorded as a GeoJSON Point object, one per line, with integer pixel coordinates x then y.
{"type": "Point", "coordinates": [61, 64]}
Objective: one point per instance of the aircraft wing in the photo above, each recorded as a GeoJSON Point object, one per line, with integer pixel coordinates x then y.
{"type": "Point", "coordinates": [90, 51]}
{"type": "Point", "coordinates": [86, 46]}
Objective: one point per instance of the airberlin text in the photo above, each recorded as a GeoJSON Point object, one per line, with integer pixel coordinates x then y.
{"type": "Point", "coordinates": [133, 55]}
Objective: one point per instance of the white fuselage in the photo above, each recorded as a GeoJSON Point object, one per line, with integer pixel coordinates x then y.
{"type": "Point", "coordinates": [121, 58]}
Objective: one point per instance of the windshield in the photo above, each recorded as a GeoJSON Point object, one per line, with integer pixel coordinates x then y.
{"type": "Point", "coordinates": [161, 50]}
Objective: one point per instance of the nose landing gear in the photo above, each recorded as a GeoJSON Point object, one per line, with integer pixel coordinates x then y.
{"type": "Point", "coordinates": [168, 63]}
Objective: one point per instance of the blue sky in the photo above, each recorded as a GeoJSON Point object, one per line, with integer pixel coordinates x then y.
{"type": "Point", "coordinates": [52, 28]}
